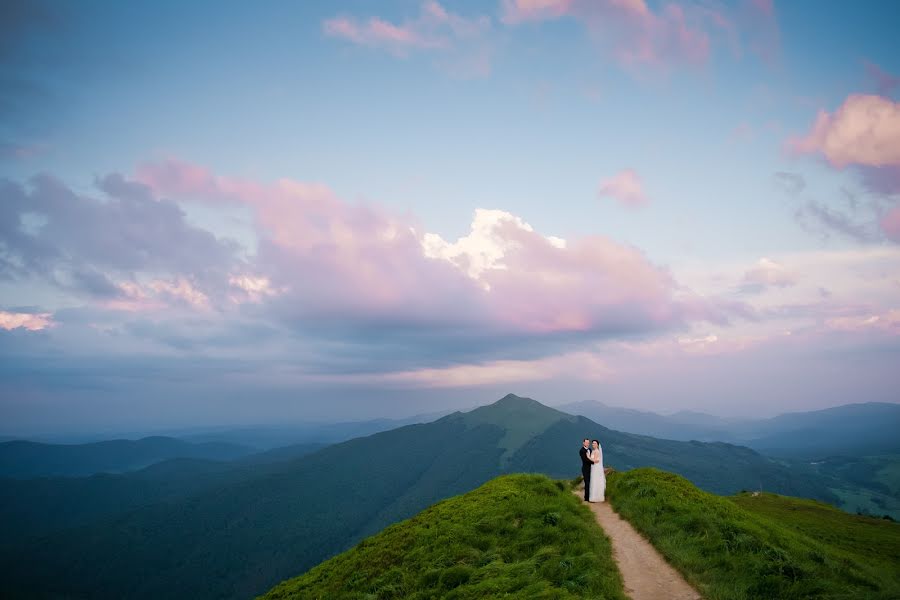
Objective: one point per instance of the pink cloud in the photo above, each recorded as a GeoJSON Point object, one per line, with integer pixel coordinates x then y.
{"type": "Point", "coordinates": [334, 260]}
{"type": "Point", "coordinates": [248, 288]}
{"type": "Point", "coordinates": [158, 295]}
{"type": "Point", "coordinates": [638, 34]}
{"type": "Point", "coordinates": [865, 130]}
{"type": "Point", "coordinates": [626, 187]}
{"type": "Point", "coordinates": [709, 344]}
{"type": "Point", "coordinates": [671, 34]}
{"type": "Point", "coordinates": [592, 284]}
{"type": "Point", "coordinates": [338, 257]}
{"type": "Point", "coordinates": [133, 298]}
{"type": "Point", "coordinates": [435, 28]}
{"type": "Point", "coordinates": [518, 11]}
{"type": "Point", "coordinates": [886, 322]}
{"type": "Point", "coordinates": [376, 32]}
{"type": "Point", "coordinates": [180, 291]}
{"type": "Point", "coordinates": [179, 177]}
{"type": "Point", "coordinates": [27, 321]}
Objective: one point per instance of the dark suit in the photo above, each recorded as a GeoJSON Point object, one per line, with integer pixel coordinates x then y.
{"type": "Point", "coordinates": [586, 465]}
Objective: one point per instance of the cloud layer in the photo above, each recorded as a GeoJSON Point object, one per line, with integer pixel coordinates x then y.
{"type": "Point", "coordinates": [343, 292]}
{"type": "Point", "coordinates": [371, 266]}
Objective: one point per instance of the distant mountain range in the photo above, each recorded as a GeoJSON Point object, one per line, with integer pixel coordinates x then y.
{"type": "Point", "coordinates": [684, 426]}
{"type": "Point", "coordinates": [850, 430]}
{"type": "Point", "coordinates": [22, 459]}
{"type": "Point", "coordinates": [266, 437]}
{"type": "Point", "coordinates": [240, 529]}
{"type": "Point", "coordinates": [34, 507]}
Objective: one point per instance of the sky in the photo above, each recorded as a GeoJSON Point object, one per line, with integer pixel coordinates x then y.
{"type": "Point", "coordinates": [244, 213]}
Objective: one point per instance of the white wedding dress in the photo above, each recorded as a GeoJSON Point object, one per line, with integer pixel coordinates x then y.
{"type": "Point", "coordinates": [598, 477]}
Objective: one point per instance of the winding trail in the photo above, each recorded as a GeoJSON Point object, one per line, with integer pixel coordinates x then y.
{"type": "Point", "coordinates": [646, 574]}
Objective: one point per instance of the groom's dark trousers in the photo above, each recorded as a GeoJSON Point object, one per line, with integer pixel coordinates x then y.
{"type": "Point", "coordinates": [585, 470]}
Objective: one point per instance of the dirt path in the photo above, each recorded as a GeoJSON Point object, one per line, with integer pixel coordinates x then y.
{"type": "Point", "coordinates": [646, 573]}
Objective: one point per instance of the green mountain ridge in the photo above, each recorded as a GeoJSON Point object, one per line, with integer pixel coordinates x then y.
{"type": "Point", "coordinates": [530, 418]}
{"type": "Point", "coordinates": [521, 536]}
{"type": "Point", "coordinates": [528, 536]}
{"type": "Point", "coordinates": [256, 527]}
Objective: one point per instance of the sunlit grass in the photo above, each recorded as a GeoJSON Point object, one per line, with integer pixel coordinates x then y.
{"type": "Point", "coordinates": [525, 536]}
{"type": "Point", "coordinates": [763, 546]}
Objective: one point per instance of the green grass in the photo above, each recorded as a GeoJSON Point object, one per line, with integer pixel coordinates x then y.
{"type": "Point", "coordinates": [759, 547]}
{"type": "Point", "coordinates": [524, 536]}
{"type": "Point", "coordinates": [874, 541]}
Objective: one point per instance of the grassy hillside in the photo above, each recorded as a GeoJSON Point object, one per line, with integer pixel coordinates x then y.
{"type": "Point", "coordinates": [765, 546]}
{"type": "Point", "coordinates": [519, 535]}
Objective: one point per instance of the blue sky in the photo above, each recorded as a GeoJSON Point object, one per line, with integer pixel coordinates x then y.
{"type": "Point", "coordinates": [408, 206]}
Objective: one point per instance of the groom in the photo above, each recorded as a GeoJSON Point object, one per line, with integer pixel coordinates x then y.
{"type": "Point", "coordinates": [586, 466]}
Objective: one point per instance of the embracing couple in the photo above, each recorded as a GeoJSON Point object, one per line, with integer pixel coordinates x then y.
{"type": "Point", "coordinates": [592, 469]}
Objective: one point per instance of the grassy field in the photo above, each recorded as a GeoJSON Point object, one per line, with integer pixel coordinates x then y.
{"type": "Point", "coordinates": [874, 542]}
{"type": "Point", "coordinates": [525, 536]}
{"type": "Point", "coordinates": [766, 546]}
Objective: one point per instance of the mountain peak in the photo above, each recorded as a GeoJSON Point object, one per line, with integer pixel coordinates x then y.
{"type": "Point", "coordinates": [512, 399]}
{"type": "Point", "coordinates": [510, 408]}
{"type": "Point", "coordinates": [521, 418]}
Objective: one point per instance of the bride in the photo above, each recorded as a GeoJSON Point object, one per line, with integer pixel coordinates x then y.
{"type": "Point", "coordinates": [598, 477]}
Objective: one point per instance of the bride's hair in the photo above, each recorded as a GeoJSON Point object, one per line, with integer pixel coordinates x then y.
{"type": "Point", "coordinates": [598, 441]}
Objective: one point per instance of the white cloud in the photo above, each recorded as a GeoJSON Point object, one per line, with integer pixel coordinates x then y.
{"type": "Point", "coordinates": [485, 245]}
{"type": "Point", "coordinates": [28, 321]}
